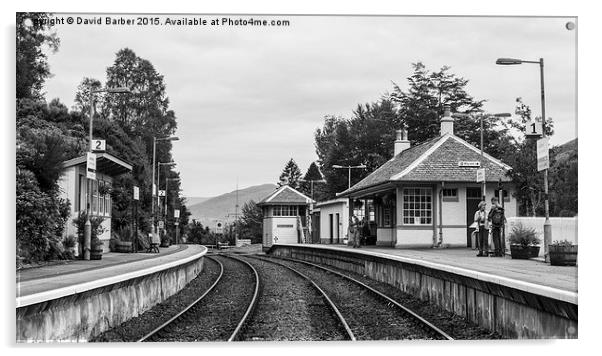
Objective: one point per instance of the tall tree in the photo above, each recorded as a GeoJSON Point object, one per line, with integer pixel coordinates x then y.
{"type": "Point", "coordinates": [290, 175]}
{"type": "Point", "coordinates": [250, 222]}
{"type": "Point", "coordinates": [33, 36]}
{"type": "Point", "coordinates": [314, 175]}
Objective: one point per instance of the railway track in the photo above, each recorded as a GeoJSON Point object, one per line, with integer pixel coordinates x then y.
{"type": "Point", "coordinates": [218, 304]}
{"type": "Point", "coordinates": [340, 320]}
{"type": "Point", "coordinates": [419, 321]}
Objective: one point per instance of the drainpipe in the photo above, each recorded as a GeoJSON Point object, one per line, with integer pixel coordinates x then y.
{"type": "Point", "coordinates": [441, 214]}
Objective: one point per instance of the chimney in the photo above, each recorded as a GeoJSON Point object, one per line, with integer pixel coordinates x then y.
{"type": "Point", "coordinates": [447, 122]}
{"type": "Point", "coordinates": [401, 143]}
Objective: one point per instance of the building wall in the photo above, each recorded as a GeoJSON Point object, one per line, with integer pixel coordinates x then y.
{"type": "Point", "coordinates": [385, 236]}
{"type": "Point", "coordinates": [342, 208]}
{"type": "Point", "coordinates": [273, 234]}
{"type": "Point", "coordinates": [454, 218]}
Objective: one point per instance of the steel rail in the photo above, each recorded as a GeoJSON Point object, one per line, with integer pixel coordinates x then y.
{"type": "Point", "coordinates": [405, 309]}
{"type": "Point", "coordinates": [322, 292]}
{"type": "Point", "coordinates": [171, 320]}
{"type": "Point", "coordinates": [253, 302]}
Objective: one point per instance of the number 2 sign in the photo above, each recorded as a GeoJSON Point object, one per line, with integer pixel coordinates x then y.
{"type": "Point", "coordinates": [99, 145]}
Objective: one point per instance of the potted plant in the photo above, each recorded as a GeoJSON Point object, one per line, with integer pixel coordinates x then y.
{"type": "Point", "coordinates": [97, 229]}
{"type": "Point", "coordinates": [96, 250]}
{"type": "Point", "coordinates": [165, 240]}
{"type": "Point", "coordinates": [563, 253]}
{"type": "Point", "coordinates": [522, 242]}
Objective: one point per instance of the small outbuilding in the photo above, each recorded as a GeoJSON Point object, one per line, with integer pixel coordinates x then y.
{"type": "Point", "coordinates": [285, 217]}
{"type": "Point", "coordinates": [74, 187]}
{"type": "Point", "coordinates": [334, 221]}
{"type": "Point", "coordinates": [427, 194]}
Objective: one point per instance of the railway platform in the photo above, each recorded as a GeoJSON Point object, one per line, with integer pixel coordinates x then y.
{"type": "Point", "coordinates": [99, 294]}
{"type": "Point", "coordinates": [534, 271]}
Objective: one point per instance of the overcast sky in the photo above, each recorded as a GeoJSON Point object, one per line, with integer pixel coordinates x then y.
{"type": "Point", "coordinates": [247, 99]}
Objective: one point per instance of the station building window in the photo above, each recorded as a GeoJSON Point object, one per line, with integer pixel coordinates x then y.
{"type": "Point", "coordinates": [450, 194]}
{"type": "Point", "coordinates": [285, 210]}
{"type": "Point", "coordinates": [417, 206]}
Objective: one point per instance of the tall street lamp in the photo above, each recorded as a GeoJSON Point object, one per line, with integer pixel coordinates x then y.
{"type": "Point", "coordinates": [361, 166]}
{"type": "Point", "coordinates": [547, 226]}
{"type": "Point", "coordinates": [481, 118]}
{"type": "Point", "coordinates": [154, 187]}
{"type": "Point", "coordinates": [88, 225]}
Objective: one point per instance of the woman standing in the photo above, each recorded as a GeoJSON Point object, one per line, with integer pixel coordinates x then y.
{"type": "Point", "coordinates": [480, 218]}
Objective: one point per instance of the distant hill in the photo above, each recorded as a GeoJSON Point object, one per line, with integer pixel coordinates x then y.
{"type": "Point", "coordinates": [195, 200]}
{"type": "Point", "coordinates": [218, 207]}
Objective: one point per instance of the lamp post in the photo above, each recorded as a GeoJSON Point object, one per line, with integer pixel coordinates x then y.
{"type": "Point", "coordinates": [158, 179]}
{"type": "Point", "coordinates": [547, 226]}
{"type": "Point", "coordinates": [88, 225]}
{"type": "Point", "coordinates": [349, 168]}
{"type": "Point", "coordinates": [311, 182]}
{"type": "Point", "coordinates": [481, 118]}
{"type": "Point", "coordinates": [154, 188]}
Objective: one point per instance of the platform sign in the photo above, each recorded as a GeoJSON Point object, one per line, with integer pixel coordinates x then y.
{"type": "Point", "coordinates": [543, 154]}
{"type": "Point", "coordinates": [480, 175]}
{"type": "Point", "coordinates": [533, 129]}
{"type": "Point", "coordinates": [91, 165]}
{"type": "Point", "coordinates": [219, 227]}
{"type": "Point", "coordinates": [176, 213]}
{"type": "Point", "coordinates": [99, 145]}
{"type": "Point", "coordinates": [161, 193]}
{"type": "Point", "coordinates": [161, 224]}
{"type": "Point", "coordinates": [136, 193]}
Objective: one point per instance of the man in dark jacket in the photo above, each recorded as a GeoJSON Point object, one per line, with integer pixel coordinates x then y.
{"type": "Point", "coordinates": [497, 220]}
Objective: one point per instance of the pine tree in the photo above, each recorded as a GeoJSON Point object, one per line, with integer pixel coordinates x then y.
{"type": "Point", "coordinates": [290, 175]}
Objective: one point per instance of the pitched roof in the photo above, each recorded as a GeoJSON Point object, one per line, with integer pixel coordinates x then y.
{"type": "Point", "coordinates": [105, 163]}
{"type": "Point", "coordinates": [435, 160]}
{"type": "Point", "coordinates": [286, 195]}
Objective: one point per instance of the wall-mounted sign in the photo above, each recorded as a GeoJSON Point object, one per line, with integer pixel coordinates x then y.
{"type": "Point", "coordinates": [136, 193]}
{"type": "Point", "coordinates": [469, 164]}
{"type": "Point", "coordinates": [176, 213]}
{"type": "Point", "coordinates": [161, 193]}
{"type": "Point", "coordinates": [99, 145]}
{"type": "Point", "coordinates": [91, 165]}
{"type": "Point", "coordinates": [543, 154]}
{"type": "Point", "coordinates": [161, 224]}
{"type": "Point", "coordinates": [480, 175]}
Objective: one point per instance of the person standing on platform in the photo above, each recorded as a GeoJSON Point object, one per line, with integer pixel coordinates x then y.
{"type": "Point", "coordinates": [355, 231]}
{"type": "Point", "coordinates": [480, 218]}
{"type": "Point", "coordinates": [497, 220]}
{"type": "Point", "coordinates": [365, 231]}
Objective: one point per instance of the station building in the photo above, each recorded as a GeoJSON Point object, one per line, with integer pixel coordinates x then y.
{"type": "Point", "coordinates": [427, 194]}
{"type": "Point", "coordinates": [333, 225]}
{"type": "Point", "coordinates": [285, 217]}
{"type": "Point", "coordinates": [73, 186]}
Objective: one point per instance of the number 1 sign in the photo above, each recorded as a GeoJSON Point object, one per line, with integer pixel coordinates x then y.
{"type": "Point", "coordinates": [533, 128]}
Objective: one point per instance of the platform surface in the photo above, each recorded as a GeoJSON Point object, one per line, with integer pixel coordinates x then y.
{"type": "Point", "coordinates": [79, 274]}
{"type": "Point", "coordinates": [534, 271]}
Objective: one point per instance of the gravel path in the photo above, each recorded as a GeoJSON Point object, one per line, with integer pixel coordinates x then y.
{"type": "Point", "coordinates": [216, 316]}
{"type": "Point", "coordinates": [454, 325]}
{"type": "Point", "coordinates": [368, 316]}
{"type": "Point", "coordinates": [289, 309]}
{"type": "Point", "coordinates": [137, 327]}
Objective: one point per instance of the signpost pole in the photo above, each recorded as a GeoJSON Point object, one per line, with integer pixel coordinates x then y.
{"type": "Point", "coordinates": [547, 226]}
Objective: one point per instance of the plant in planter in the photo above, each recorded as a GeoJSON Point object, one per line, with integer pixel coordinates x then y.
{"type": "Point", "coordinates": [563, 253]}
{"type": "Point", "coordinates": [524, 242]}
{"type": "Point", "coordinates": [97, 229]}
{"type": "Point", "coordinates": [104, 189]}
{"type": "Point", "coordinates": [96, 251]}
{"type": "Point", "coordinates": [165, 240]}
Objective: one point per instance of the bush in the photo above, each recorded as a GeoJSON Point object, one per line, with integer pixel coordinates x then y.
{"type": "Point", "coordinates": [524, 236]}
{"type": "Point", "coordinates": [41, 218]}
{"type": "Point", "coordinates": [565, 243]}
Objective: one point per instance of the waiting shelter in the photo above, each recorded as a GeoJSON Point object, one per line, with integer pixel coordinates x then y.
{"type": "Point", "coordinates": [74, 186]}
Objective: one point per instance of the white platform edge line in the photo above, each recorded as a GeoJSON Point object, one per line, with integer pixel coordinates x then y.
{"type": "Point", "coordinates": [82, 287]}
{"type": "Point", "coordinates": [546, 291]}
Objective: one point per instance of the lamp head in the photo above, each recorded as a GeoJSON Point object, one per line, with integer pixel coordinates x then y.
{"type": "Point", "coordinates": [508, 61]}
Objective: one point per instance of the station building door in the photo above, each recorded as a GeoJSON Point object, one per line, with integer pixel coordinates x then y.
{"type": "Point", "coordinates": [473, 197]}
